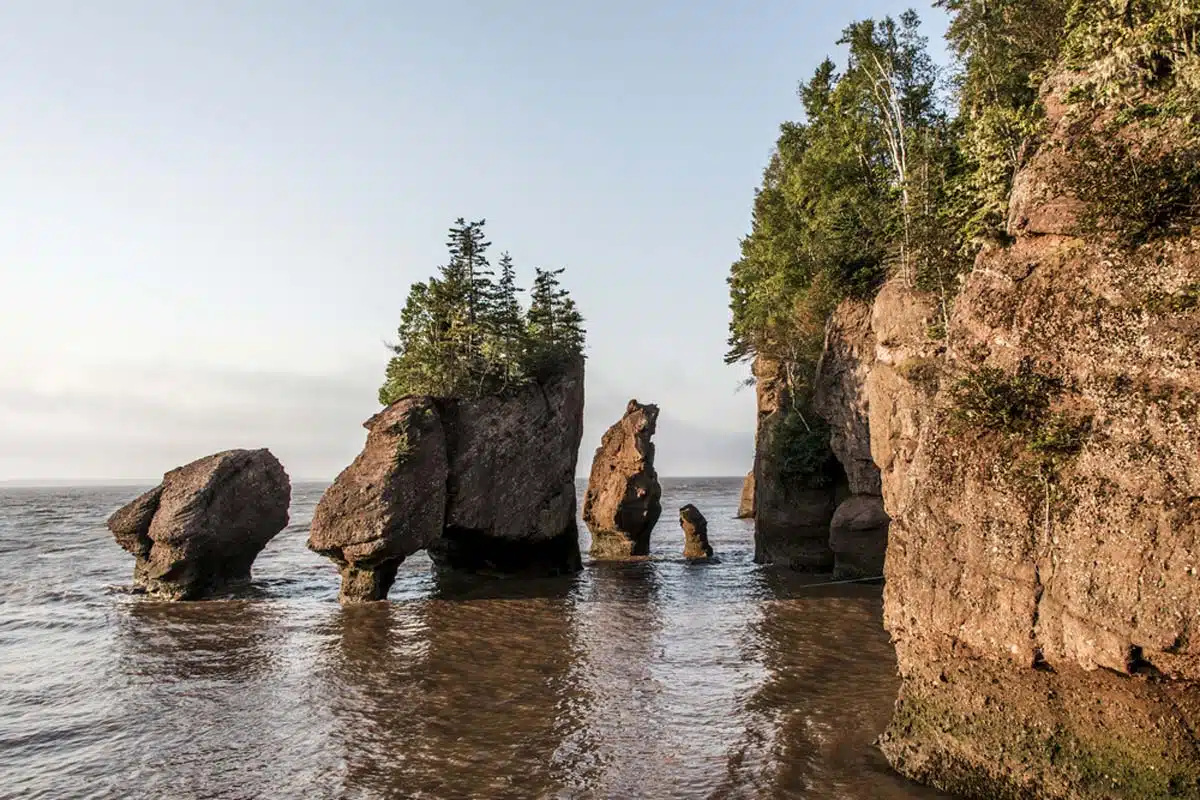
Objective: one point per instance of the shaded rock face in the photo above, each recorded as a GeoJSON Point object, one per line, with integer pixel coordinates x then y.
{"type": "Point", "coordinates": [199, 531]}
{"type": "Point", "coordinates": [1047, 630]}
{"type": "Point", "coordinates": [746, 503]}
{"type": "Point", "coordinates": [695, 533]}
{"type": "Point", "coordinates": [859, 526]}
{"type": "Point", "coordinates": [622, 504]}
{"type": "Point", "coordinates": [389, 503]}
{"type": "Point", "coordinates": [484, 485]}
{"type": "Point", "coordinates": [791, 523]}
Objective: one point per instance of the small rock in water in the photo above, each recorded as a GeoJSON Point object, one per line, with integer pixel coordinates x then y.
{"type": "Point", "coordinates": [695, 533]}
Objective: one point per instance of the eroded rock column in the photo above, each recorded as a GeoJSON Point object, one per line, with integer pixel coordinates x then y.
{"type": "Point", "coordinates": [695, 533]}
{"type": "Point", "coordinates": [622, 501]}
{"type": "Point", "coordinates": [791, 521]}
{"type": "Point", "coordinates": [485, 485]}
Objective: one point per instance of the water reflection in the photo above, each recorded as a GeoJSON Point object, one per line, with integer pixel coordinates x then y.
{"type": "Point", "coordinates": [469, 693]}
{"type": "Point", "coordinates": [200, 685]}
{"type": "Point", "coordinates": [620, 625]}
{"type": "Point", "coordinates": [233, 641]}
{"type": "Point", "coordinates": [814, 717]}
{"type": "Point", "coordinates": [655, 678]}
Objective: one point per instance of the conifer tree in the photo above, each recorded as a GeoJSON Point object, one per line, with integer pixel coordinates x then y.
{"type": "Point", "coordinates": [463, 335]}
{"type": "Point", "coordinates": [506, 323]}
{"type": "Point", "coordinates": [470, 268]}
{"type": "Point", "coordinates": [555, 325]}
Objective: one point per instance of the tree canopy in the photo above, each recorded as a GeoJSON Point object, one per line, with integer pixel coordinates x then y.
{"type": "Point", "coordinates": [901, 171]}
{"type": "Point", "coordinates": [846, 194]}
{"type": "Point", "coordinates": [466, 333]}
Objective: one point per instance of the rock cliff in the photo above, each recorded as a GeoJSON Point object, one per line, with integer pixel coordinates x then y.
{"type": "Point", "coordinates": [859, 526]}
{"type": "Point", "coordinates": [622, 504]}
{"type": "Point", "coordinates": [791, 521]}
{"type": "Point", "coordinates": [1043, 481]}
{"type": "Point", "coordinates": [199, 531]}
{"type": "Point", "coordinates": [485, 485]}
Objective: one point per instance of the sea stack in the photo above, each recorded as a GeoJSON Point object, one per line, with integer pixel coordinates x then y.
{"type": "Point", "coordinates": [199, 531]}
{"type": "Point", "coordinates": [623, 493]}
{"type": "Point", "coordinates": [746, 503]}
{"type": "Point", "coordinates": [791, 517]}
{"type": "Point", "coordinates": [484, 485]}
{"type": "Point", "coordinates": [695, 533]}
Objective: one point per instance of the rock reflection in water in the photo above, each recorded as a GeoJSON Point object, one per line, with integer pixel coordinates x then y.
{"type": "Point", "coordinates": [208, 697]}
{"type": "Point", "coordinates": [468, 693]}
{"type": "Point", "coordinates": [823, 697]}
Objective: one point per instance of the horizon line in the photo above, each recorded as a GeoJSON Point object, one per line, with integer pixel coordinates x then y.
{"type": "Point", "coordinates": [73, 483]}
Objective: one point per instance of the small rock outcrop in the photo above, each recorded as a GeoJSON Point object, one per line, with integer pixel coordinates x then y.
{"type": "Point", "coordinates": [622, 501]}
{"type": "Point", "coordinates": [746, 503]}
{"type": "Point", "coordinates": [199, 531]}
{"type": "Point", "coordinates": [695, 533]}
{"type": "Point", "coordinates": [859, 528]}
{"type": "Point", "coordinates": [791, 521]}
{"type": "Point", "coordinates": [484, 485]}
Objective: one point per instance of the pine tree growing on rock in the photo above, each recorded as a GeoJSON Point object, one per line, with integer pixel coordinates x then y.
{"type": "Point", "coordinates": [464, 333]}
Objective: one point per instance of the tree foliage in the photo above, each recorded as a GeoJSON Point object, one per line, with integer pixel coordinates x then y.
{"type": "Point", "coordinates": [889, 177]}
{"type": "Point", "coordinates": [465, 333]}
{"type": "Point", "coordinates": [854, 193]}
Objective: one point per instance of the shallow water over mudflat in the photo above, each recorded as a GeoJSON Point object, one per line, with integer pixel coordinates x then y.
{"type": "Point", "coordinates": [654, 679]}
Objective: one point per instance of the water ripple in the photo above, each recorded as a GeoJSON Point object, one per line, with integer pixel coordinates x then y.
{"type": "Point", "coordinates": [656, 678]}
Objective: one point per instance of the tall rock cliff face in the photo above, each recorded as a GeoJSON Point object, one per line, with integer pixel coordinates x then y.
{"type": "Point", "coordinates": [791, 522]}
{"type": "Point", "coordinates": [859, 526]}
{"type": "Point", "coordinates": [1043, 569]}
{"type": "Point", "coordinates": [483, 485]}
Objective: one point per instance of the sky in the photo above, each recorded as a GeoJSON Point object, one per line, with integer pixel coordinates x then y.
{"type": "Point", "coordinates": [210, 213]}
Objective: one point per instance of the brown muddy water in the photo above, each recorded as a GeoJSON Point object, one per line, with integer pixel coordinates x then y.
{"type": "Point", "coordinates": [655, 679]}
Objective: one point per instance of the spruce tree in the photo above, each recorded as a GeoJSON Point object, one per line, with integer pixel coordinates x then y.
{"type": "Point", "coordinates": [506, 324]}
{"type": "Point", "coordinates": [464, 335]}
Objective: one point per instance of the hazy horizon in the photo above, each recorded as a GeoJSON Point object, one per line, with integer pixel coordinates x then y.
{"type": "Point", "coordinates": [213, 212]}
{"type": "Point", "coordinates": [100, 483]}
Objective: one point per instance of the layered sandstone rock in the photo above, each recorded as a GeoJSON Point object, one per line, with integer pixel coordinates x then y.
{"type": "Point", "coordinates": [695, 533]}
{"type": "Point", "coordinates": [485, 485]}
{"type": "Point", "coordinates": [199, 531]}
{"type": "Point", "coordinates": [1043, 590]}
{"type": "Point", "coordinates": [791, 521]}
{"type": "Point", "coordinates": [622, 500]}
{"type": "Point", "coordinates": [746, 502]}
{"type": "Point", "coordinates": [859, 526]}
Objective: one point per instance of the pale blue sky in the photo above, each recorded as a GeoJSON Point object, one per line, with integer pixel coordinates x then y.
{"type": "Point", "coordinates": [210, 212]}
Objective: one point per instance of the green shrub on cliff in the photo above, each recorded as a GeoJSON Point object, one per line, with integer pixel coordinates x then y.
{"type": "Point", "coordinates": [1018, 406]}
{"type": "Point", "coordinates": [800, 446]}
{"type": "Point", "coordinates": [463, 334]}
